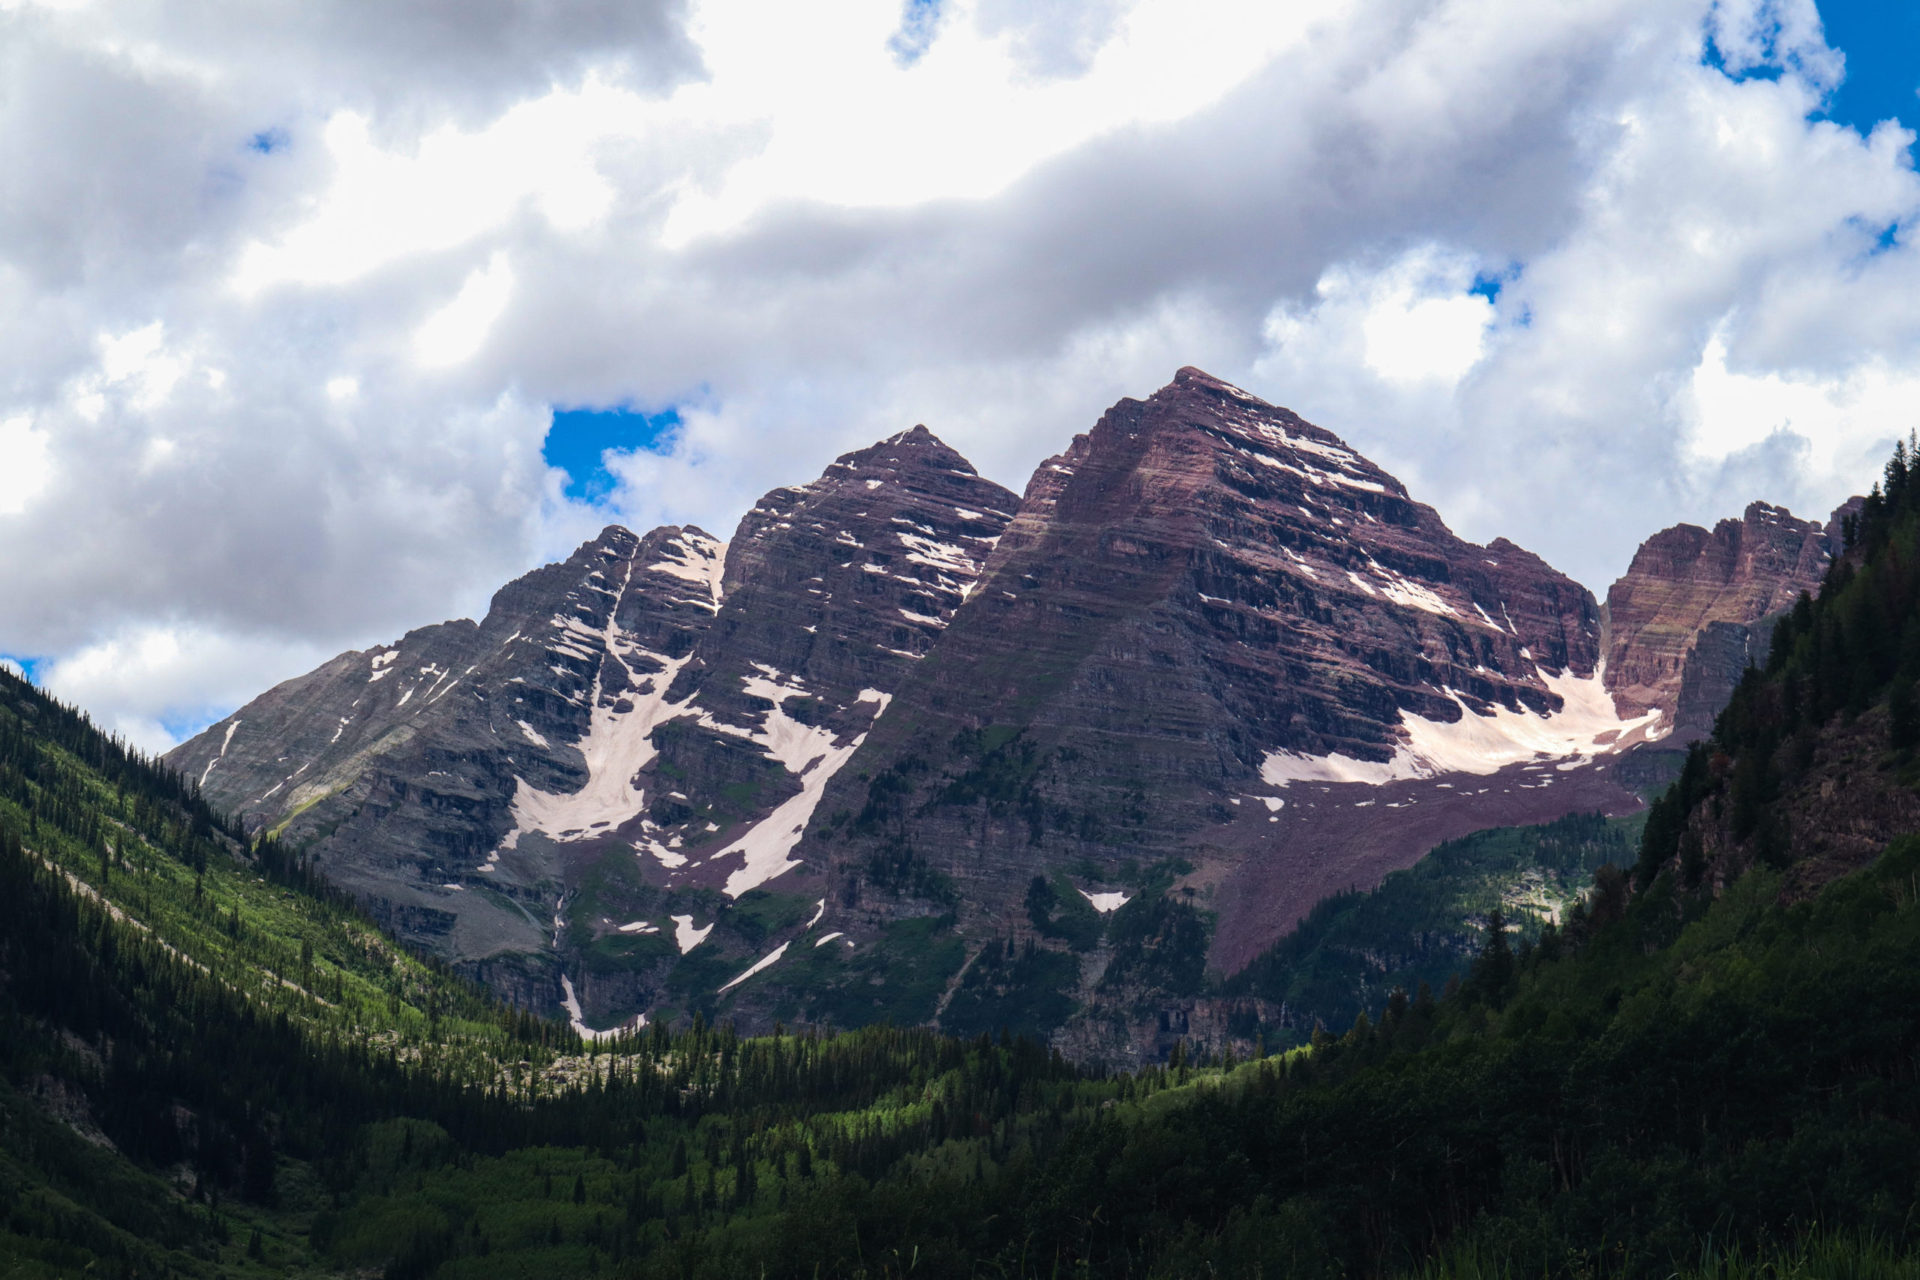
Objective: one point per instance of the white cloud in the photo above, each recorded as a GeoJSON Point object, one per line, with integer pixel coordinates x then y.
{"type": "Point", "coordinates": [1414, 321]}
{"type": "Point", "coordinates": [287, 294]}
{"type": "Point", "coordinates": [1845, 420]}
{"type": "Point", "coordinates": [454, 332]}
{"type": "Point", "coordinates": [25, 465]}
{"type": "Point", "coordinates": [148, 681]}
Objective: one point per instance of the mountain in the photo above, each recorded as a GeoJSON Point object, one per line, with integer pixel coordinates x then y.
{"type": "Point", "coordinates": [635, 734]}
{"type": "Point", "coordinates": [911, 749]}
{"type": "Point", "coordinates": [1812, 766]}
{"type": "Point", "coordinates": [1683, 621]}
{"type": "Point", "coordinates": [1217, 653]}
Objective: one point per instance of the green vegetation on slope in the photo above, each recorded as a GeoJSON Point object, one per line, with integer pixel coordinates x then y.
{"type": "Point", "coordinates": [1425, 924]}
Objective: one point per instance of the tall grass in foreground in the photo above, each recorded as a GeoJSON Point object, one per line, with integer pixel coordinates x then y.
{"type": "Point", "coordinates": [1820, 1255]}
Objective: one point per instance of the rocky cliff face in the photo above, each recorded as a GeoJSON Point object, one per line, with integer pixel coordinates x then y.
{"type": "Point", "coordinates": [582, 784]}
{"type": "Point", "coordinates": [1682, 582]}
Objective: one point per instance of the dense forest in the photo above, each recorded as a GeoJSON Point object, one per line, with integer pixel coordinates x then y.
{"type": "Point", "coordinates": [1706, 1067]}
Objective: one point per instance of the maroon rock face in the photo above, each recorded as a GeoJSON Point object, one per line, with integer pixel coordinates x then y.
{"type": "Point", "coordinates": [1683, 580]}
{"type": "Point", "coordinates": [1203, 590]}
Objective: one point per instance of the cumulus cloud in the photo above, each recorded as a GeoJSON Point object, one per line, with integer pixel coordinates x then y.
{"type": "Point", "coordinates": [153, 684]}
{"type": "Point", "coordinates": [289, 295]}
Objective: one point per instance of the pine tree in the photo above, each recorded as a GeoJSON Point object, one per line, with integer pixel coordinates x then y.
{"type": "Point", "coordinates": [1492, 977]}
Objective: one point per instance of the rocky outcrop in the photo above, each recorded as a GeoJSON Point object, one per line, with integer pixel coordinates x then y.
{"type": "Point", "coordinates": [1685, 579]}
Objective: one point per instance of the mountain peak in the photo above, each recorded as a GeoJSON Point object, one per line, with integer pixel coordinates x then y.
{"type": "Point", "coordinates": [1190, 378]}
{"type": "Point", "coordinates": [616, 538]}
{"type": "Point", "coordinates": [914, 450]}
{"type": "Point", "coordinates": [917, 434]}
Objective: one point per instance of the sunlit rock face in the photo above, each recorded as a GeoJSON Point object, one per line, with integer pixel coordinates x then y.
{"type": "Point", "coordinates": [1207, 616]}
{"type": "Point", "coordinates": [1684, 580]}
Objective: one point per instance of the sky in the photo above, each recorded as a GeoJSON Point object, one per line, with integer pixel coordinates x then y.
{"type": "Point", "coordinates": [323, 320]}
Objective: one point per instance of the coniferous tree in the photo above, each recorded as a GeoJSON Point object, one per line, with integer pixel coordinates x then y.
{"type": "Point", "coordinates": [1493, 971]}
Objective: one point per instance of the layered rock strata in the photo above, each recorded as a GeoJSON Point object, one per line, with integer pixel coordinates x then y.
{"type": "Point", "coordinates": [1211, 631]}
{"type": "Point", "coordinates": [1684, 580]}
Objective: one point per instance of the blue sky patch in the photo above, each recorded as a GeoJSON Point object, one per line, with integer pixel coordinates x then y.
{"type": "Point", "coordinates": [1881, 39]}
{"type": "Point", "coordinates": [919, 23]}
{"type": "Point", "coordinates": [184, 727]}
{"type": "Point", "coordinates": [579, 440]}
{"type": "Point", "coordinates": [1488, 284]}
{"type": "Point", "coordinates": [268, 141]}
{"type": "Point", "coordinates": [29, 665]}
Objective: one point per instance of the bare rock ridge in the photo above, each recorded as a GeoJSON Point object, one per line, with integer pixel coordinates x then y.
{"type": "Point", "coordinates": [1687, 585]}
{"type": "Point", "coordinates": [1213, 667]}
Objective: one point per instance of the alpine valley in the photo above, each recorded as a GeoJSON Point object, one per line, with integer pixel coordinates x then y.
{"type": "Point", "coordinates": [911, 748]}
{"type": "Point", "coordinates": [1203, 865]}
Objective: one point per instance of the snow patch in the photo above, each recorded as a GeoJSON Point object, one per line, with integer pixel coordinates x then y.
{"type": "Point", "coordinates": [1404, 590]}
{"type": "Point", "coordinates": [686, 936]}
{"type": "Point", "coordinates": [806, 751]}
{"type": "Point", "coordinates": [228, 741]}
{"type": "Point", "coordinates": [382, 665]}
{"type": "Point", "coordinates": [578, 1020]}
{"type": "Point", "coordinates": [829, 938]}
{"type": "Point", "coordinates": [533, 734]}
{"type": "Point", "coordinates": [1585, 725]}
{"type": "Point", "coordinates": [617, 746]}
{"type": "Point", "coordinates": [1105, 902]}
{"type": "Point", "coordinates": [762, 963]}
{"type": "Point", "coordinates": [940, 555]}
